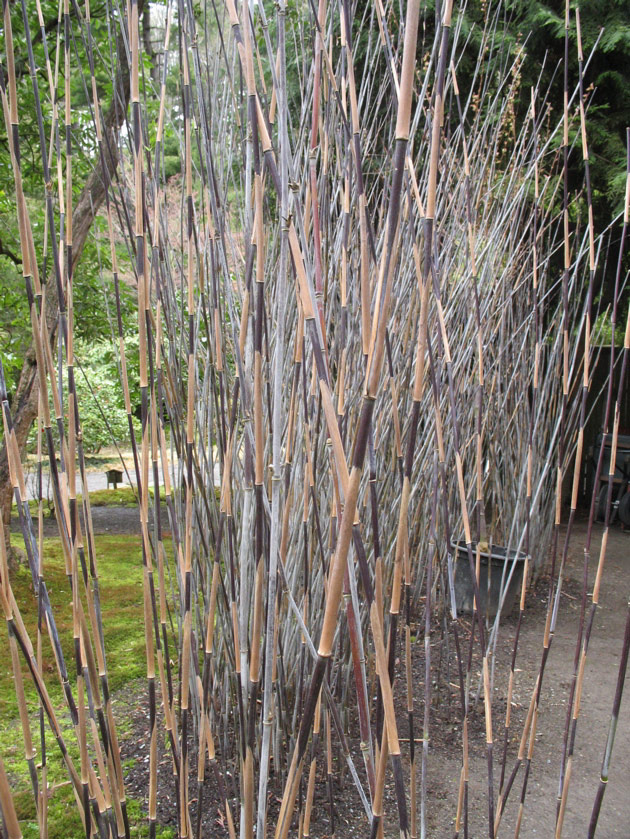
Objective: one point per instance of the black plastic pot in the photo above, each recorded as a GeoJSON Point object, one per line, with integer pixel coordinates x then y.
{"type": "Point", "coordinates": [501, 563]}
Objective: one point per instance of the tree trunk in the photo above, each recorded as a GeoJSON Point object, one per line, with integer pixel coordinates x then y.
{"type": "Point", "coordinates": [24, 404]}
{"type": "Point", "coordinates": [24, 411]}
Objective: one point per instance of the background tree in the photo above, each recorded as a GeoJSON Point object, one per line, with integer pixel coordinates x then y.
{"type": "Point", "coordinates": [97, 175]}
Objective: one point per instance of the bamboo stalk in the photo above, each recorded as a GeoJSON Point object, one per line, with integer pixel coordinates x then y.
{"type": "Point", "coordinates": [285, 188]}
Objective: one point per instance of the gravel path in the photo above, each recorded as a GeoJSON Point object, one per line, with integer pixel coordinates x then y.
{"type": "Point", "coordinates": [104, 520]}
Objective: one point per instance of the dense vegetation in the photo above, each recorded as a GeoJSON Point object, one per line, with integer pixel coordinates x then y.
{"type": "Point", "coordinates": [536, 27]}
{"type": "Point", "coordinates": [335, 276]}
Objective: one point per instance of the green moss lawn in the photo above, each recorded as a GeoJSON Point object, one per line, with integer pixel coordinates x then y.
{"type": "Point", "coordinates": [120, 578]}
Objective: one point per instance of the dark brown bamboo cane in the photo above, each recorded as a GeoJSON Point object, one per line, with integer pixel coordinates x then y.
{"type": "Point", "coordinates": [331, 371]}
{"type": "Point", "coordinates": [549, 622]}
{"type": "Point", "coordinates": [30, 274]}
{"type": "Point", "coordinates": [604, 774]}
{"type": "Point", "coordinates": [334, 589]}
{"type": "Point", "coordinates": [601, 789]}
{"type": "Point", "coordinates": [580, 662]}
{"type": "Point", "coordinates": [565, 770]}
{"type": "Point", "coordinates": [530, 456]}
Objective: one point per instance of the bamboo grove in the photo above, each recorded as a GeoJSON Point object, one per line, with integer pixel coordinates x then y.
{"type": "Point", "coordinates": [366, 337]}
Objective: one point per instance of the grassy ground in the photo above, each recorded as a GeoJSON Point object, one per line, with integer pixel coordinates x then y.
{"type": "Point", "coordinates": [124, 496]}
{"type": "Point", "coordinates": [120, 578]}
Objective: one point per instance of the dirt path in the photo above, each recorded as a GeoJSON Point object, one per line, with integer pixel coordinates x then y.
{"type": "Point", "coordinates": [444, 764]}
{"type": "Point", "coordinates": [113, 520]}
{"type": "Point", "coordinates": [444, 761]}
{"type": "Point", "coordinates": [599, 685]}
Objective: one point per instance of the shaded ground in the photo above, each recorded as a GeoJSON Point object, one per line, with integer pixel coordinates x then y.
{"type": "Point", "coordinates": [599, 684]}
{"type": "Point", "coordinates": [444, 758]}
{"type": "Point", "coordinates": [444, 761]}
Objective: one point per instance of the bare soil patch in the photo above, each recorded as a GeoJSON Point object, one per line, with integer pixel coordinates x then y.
{"type": "Point", "coordinates": [444, 755]}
